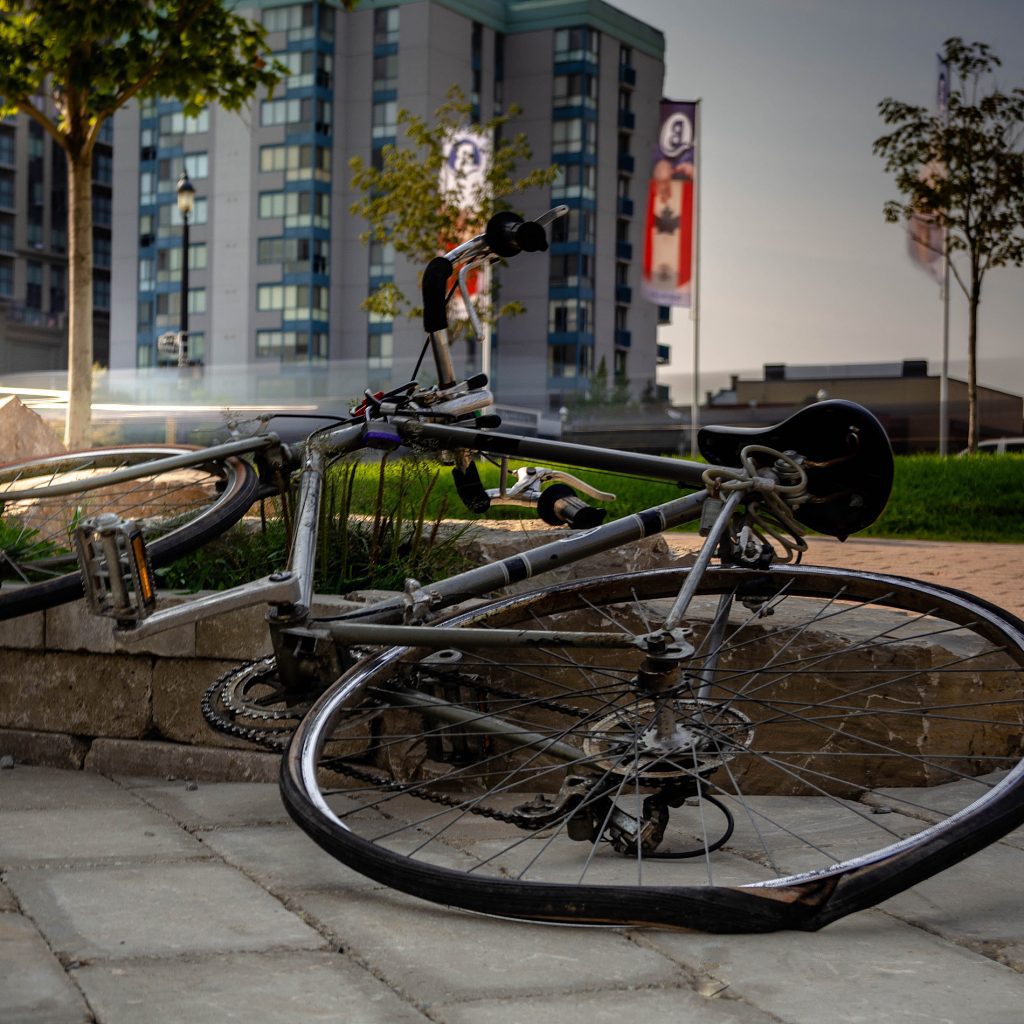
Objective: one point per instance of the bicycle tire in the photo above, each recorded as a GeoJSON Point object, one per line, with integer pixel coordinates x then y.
{"type": "Point", "coordinates": [900, 751]}
{"type": "Point", "coordinates": [179, 510]}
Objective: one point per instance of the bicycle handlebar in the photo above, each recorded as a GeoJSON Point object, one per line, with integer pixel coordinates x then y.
{"type": "Point", "coordinates": [506, 235]}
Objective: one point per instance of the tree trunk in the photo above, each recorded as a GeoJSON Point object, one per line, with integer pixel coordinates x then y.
{"type": "Point", "coordinates": [79, 418]}
{"type": "Point", "coordinates": [973, 302]}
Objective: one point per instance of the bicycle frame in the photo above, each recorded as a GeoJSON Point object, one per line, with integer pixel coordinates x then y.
{"type": "Point", "coordinates": [290, 591]}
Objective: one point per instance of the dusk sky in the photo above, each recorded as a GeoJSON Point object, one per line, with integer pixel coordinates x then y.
{"type": "Point", "coordinates": [798, 264]}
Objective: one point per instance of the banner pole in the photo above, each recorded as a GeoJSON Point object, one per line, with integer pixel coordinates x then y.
{"type": "Point", "coordinates": [695, 301]}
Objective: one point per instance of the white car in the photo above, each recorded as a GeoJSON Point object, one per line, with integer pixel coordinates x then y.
{"type": "Point", "coordinates": [998, 445]}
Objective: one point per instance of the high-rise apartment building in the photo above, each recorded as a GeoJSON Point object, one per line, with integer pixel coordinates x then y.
{"type": "Point", "coordinates": [34, 247]}
{"type": "Point", "coordinates": [276, 269]}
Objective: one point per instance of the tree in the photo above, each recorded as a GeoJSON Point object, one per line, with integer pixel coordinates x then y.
{"type": "Point", "coordinates": [70, 64]}
{"type": "Point", "coordinates": [405, 204]}
{"type": "Point", "coordinates": [963, 170]}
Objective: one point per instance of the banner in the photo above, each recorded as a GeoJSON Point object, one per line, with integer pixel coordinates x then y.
{"type": "Point", "coordinates": [668, 234]}
{"type": "Point", "coordinates": [462, 180]}
{"type": "Point", "coordinates": [925, 241]}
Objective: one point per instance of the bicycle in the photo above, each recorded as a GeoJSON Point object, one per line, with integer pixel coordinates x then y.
{"type": "Point", "coordinates": [746, 744]}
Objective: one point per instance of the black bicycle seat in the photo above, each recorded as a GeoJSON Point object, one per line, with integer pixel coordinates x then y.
{"type": "Point", "coordinates": [849, 461]}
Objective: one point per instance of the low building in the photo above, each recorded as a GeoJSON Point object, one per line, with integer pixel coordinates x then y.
{"type": "Point", "coordinates": [903, 395]}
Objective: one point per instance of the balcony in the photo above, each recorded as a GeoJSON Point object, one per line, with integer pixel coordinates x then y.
{"type": "Point", "coordinates": [627, 119]}
{"type": "Point", "coordinates": [627, 75]}
{"type": "Point", "coordinates": [623, 251]}
{"type": "Point", "coordinates": [626, 163]}
{"type": "Point", "coordinates": [623, 339]}
{"type": "Point", "coordinates": [625, 207]}
{"type": "Point", "coordinates": [623, 294]}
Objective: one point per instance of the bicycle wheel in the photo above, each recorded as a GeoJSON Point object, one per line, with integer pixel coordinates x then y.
{"type": "Point", "coordinates": [824, 740]}
{"type": "Point", "coordinates": [178, 509]}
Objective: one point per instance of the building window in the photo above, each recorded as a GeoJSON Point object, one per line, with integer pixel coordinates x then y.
{"type": "Point", "coordinates": [34, 285]}
{"type": "Point", "coordinates": [385, 72]}
{"type": "Point", "coordinates": [568, 361]}
{"type": "Point", "coordinates": [571, 270]}
{"type": "Point", "coordinates": [380, 351]}
{"type": "Point", "coordinates": [7, 147]}
{"type": "Point", "coordinates": [577, 226]}
{"type": "Point", "coordinates": [101, 250]}
{"type": "Point", "coordinates": [385, 119]}
{"type": "Point", "coordinates": [295, 301]}
{"type": "Point", "coordinates": [169, 215]}
{"type": "Point", "coordinates": [382, 258]}
{"type": "Point", "coordinates": [101, 292]}
{"type": "Point", "coordinates": [385, 26]}
{"type": "Point", "coordinates": [576, 90]}
{"type": "Point", "coordinates": [567, 316]}
{"type": "Point", "coordinates": [575, 181]}
{"type": "Point", "coordinates": [307, 68]}
{"type": "Point", "coordinates": [6, 278]}
{"type": "Point", "coordinates": [574, 136]}
{"type": "Point", "coordinates": [296, 255]}
{"type": "Point", "coordinates": [168, 261]}
{"type": "Point", "coordinates": [299, 209]}
{"type": "Point", "coordinates": [572, 44]}
{"type": "Point", "coordinates": [178, 124]}
{"type": "Point", "coordinates": [296, 20]}
{"type": "Point", "coordinates": [281, 111]}
{"type": "Point", "coordinates": [298, 163]}
{"type": "Point", "coordinates": [7, 190]}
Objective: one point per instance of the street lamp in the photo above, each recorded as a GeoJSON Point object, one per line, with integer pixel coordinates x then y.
{"type": "Point", "coordinates": [186, 201]}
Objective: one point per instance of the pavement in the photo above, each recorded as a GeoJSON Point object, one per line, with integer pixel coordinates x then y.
{"type": "Point", "coordinates": [129, 900]}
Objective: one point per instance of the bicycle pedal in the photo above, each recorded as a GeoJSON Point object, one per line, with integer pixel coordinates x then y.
{"type": "Point", "coordinates": [115, 566]}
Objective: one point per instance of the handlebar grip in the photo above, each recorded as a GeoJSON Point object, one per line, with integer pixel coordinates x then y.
{"type": "Point", "coordinates": [508, 235]}
{"type": "Point", "coordinates": [558, 505]}
{"type": "Point", "coordinates": [435, 287]}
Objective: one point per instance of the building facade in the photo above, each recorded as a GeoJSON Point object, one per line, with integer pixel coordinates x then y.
{"type": "Point", "coordinates": [277, 272]}
{"type": "Point", "coordinates": [34, 247]}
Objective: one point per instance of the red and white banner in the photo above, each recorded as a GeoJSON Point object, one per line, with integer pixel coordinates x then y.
{"type": "Point", "coordinates": [668, 235]}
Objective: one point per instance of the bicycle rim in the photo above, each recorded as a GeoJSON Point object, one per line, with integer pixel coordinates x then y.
{"type": "Point", "coordinates": [845, 736]}
{"type": "Point", "coordinates": [179, 510]}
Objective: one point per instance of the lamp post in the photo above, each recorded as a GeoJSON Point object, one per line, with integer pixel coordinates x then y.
{"type": "Point", "coordinates": [186, 201]}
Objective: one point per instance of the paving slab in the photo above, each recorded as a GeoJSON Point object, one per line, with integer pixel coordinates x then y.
{"type": "Point", "coordinates": [976, 902]}
{"type": "Point", "coordinates": [861, 970]}
{"type": "Point", "coordinates": [156, 910]}
{"type": "Point", "coordinates": [96, 834]}
{"type": "Point", "coordinates": [212, 804]}
{"type": "Point", "coordinates": [269, 988]}
{"type": "Point", "coordinates": [25, 788]}
{"type": "Point", "coordinates": [678, 1005]}
{"type": "Point", "coordinates": [33, 986]}
{"type": "Point", "coordinates": [283, 859]}
{"type": "Point", "coordinates": [436, 955]}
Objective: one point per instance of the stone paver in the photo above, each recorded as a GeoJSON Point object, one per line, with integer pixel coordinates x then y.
{"type": "Point", "coordinates": [860, 970]}
{"type": "Point", "coordinates": [678, 1005]}
{"type": "Point", "coordinates": [156, 910]}
{"type": "Point", "coordinates": [33, 986]}
{"type": "Point", "coordinates": [272, 988]}
{"type": "Point", "coordinates": [94, 834]}
{"type": "Point", "coordinates": [212, 804]}
{"type": "Point", "coordinates": [24, 789]}
{"type": "Point", "coordinates": [283, 859]}
{"type": "Point", "coordinates": [437, 955]}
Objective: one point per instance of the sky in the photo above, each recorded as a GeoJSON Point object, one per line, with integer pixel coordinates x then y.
{"type": "Point", "coordinates": [797, 262]}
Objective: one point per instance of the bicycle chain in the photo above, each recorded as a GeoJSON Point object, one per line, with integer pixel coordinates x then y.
{"type": "Point", "coordinates": [273, 739]}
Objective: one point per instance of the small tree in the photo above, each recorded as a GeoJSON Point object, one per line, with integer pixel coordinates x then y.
{"type": "Point", "coordinates": [70, 64]}
{"type": "Point", "coordinates": [973, 188]}
{"type": "Point", "coordinates": [404, 203]}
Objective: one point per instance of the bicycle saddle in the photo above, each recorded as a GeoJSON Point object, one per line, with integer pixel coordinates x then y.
{"type": "Point", "coordinates": [848, 461]}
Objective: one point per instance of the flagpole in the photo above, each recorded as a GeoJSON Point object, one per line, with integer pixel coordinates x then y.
{"type": "Point", "coordinates": [944, 375]}
{"type": "Point", "coordinates": [695, 300]}
{"type": "Point", "coordinates": [942, 102]}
